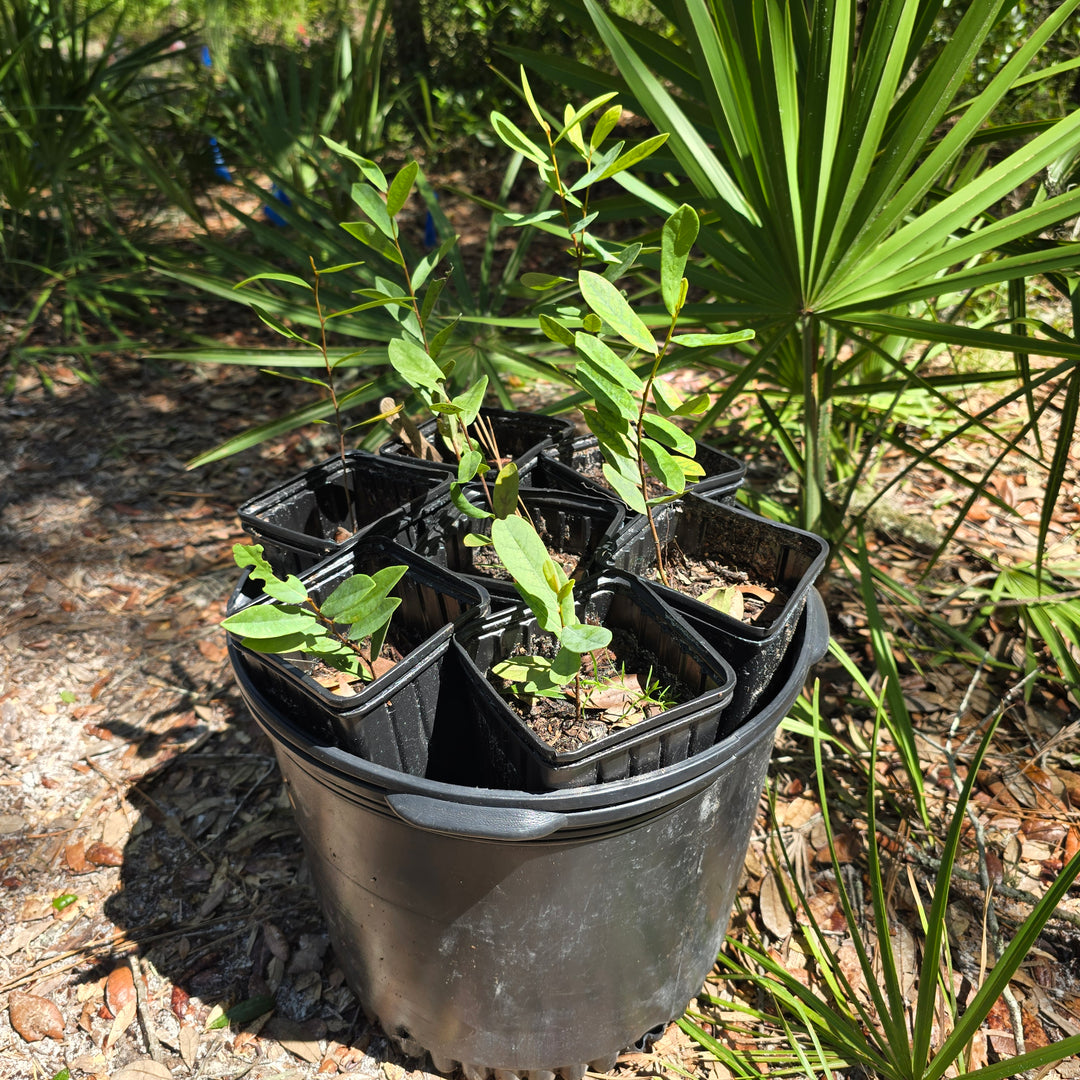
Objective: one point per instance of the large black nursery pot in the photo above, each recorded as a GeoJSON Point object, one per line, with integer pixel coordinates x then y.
{"type": "Point", "coordinates": [532, 933]}
{"type": "Point", "coordinates": [519, 436]}
{"type": "Point", "coordinates": [771, 554]}
{"type": "Point", "coordinates": [391, 720]}
{"type": "Point", "coordinates": [649, 639]}
{"type": "Point", "coordinates": [299, 521]}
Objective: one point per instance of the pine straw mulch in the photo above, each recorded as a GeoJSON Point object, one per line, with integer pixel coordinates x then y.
{"type": "Point", "coordinates": [150, 869]}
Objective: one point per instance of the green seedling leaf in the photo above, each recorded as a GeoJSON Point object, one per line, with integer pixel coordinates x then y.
{"type": "Point", "coordinates": [355, 594]}
{"type": "Point", "coordinates": [431, 298]}
{"type": "Point", "coordinates": [63, 1074]}
{"type": "Point", "coordinates": [626, 489]}
{"type": "Point", "coordinates": [504, 496]}
{"type": "Point", "coordinates": [664, 431]}
{"type": "Point", "coordinates": [585, 638]}
{"type": "Point", "coordinates": [279, 327]}
{"type": "Point", "coordinates": [627, 257]}
{"type": "Point", "coordinates": [694, 406]}
{"type": "Point", "coordinates": [468, 464]}
{"type": "Point", "coordinates": [373, 619]}
{"type": "Point", "coordinates": [68, 696]}
{"type": "Point", "coordinates": [556, 331]}
{"type": "Point", "coordinates": [603, 163]}
{"type": "Point", "coordinates": [267, 621]}
{"type": "Point", "coordinates": [609, 363]}
{"type": "Point", "coordinates": [726, 599]}
{"type": "Point", "coordinates": [665, 397]}
{"type": "Point", "coordinates": [338, 269]}
{"type": "Point", "coordinates": [541, 282]}
{"type": "Point", "coordinates": [525, 557]}
{"type": "Point", "coordinates": [611, 306]}
{"type": "Point", "coordinates": [439, 341]}
{"type": "Point", "coordinates": [516, 139]}
{"type": "Point", "coordinates": [571, 131]}
{"type": "Point", "coordinates": [676, 239]}
{"type": "Point", "coordinates": [289, 591]}
{"type": "Point", "coordinates": [572, 119]}
{"type": "Point", "coordinates": [470, 400]}
{"type": "Point", "coordinates": [536, 674]}
{"type": "Point", "coordinates": [301, 642]}
{"type": "Point", "coordinates": [457, 497]}
{"type": "Point", "coordinates": [567, 662]}
{"type": "Point", "coordinates": [526, 89]}
{"type": "Point", "coordinates": [371, 203]}
{"type": "Point", "coordinates": [428, 263]}
{"type": "Point", "coordinates": [605, 126]}
{"type": "Point", "coordinates": [663, 466]}
{"type": "Point", "coordinates": [634, 155]}
{"type": "Point", "coordinates": [609, 396]}
{"type": "Point", "coordinates": [580, 226]}
{"type": "Point", "coordinates": [368, 234]}
{"type": "Point", "coordinates": [400, 188]}
{"type": "Point", "coordinates": [64, 900]}
{"type": "Point", "coordinates": [517, 220]}
{"type": "Point", "coordinates": [368, 169]}
{"type": "Point", "coordinates": [414, 365]}
{"type": "Point", "coordinates": [476, 540]}
{"type": "Point", "coordinates": [697, 341]}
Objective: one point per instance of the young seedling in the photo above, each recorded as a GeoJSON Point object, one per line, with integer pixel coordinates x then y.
{"type": "Point", "coordinates": [339, 402]}
{"type": "Point", "coordinates": [547, 590]}
{"type": "Point", "coordinates": [358, 610]}
{"type": "Point", "coordinates": [416, 351]}
{"type": "Point", "coordinates": [573, 194]}
{"type": "Point", "coordinates": [632, 416]}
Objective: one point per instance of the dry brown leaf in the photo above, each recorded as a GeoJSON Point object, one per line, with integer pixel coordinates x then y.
{"type": "Point", "coordinates": [144, 1069]}
{"type": "Point", "coordinates": [75, 857]}
{"type": "Point", "coordinates": [104, 855]}
{"type": "Point", "coordinates": [119, 989]}
{"type": "Point", "coordinates": [798, 812]}
{"type": "Point", "coordinates": [116, 830]}
{"type": "Point", "coordinates": [773, 909]}
{"type": "Point", "coordinates": [189, 1044]}
{"type": "Point", "coordinates": [34, 1017]}
{"type": "Point", "coordinates": [613, 695]}
{"type": "Point", "coordinates": [299, 1038]}
{"type": "Point", "coordinates": [122, 1022]}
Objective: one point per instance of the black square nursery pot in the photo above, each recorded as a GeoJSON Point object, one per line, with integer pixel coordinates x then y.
{"type": "Point", "coordinates": [777, 556]}
{"type": "Point", "coordinates": [390, 722]}
{"type": "Point", "coordinates": [581, 470]}
{"type": "Point", "coordinates": [520, 436]}
{"type": "Point", "coordinates": [579, 527]}
{"type": "Point", "coordinates": [539, 934]}
{"type": "Point", "coordinates": [298, 521]}
{"type": "Point", "coordinates": [649, 636]}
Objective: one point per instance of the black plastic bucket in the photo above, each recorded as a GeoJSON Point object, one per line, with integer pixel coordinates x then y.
{"type": "Point", "coordinates": [534, 933]}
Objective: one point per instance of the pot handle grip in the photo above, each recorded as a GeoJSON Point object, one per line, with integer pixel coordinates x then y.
{"type": "Point", "coordinates": [475, 822]}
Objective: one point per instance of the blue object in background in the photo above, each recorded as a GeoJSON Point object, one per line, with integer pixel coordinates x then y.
{"type": "Point", "coordinates": [271, 214]}
{"type": "Point", "coordinates": [221, 170]}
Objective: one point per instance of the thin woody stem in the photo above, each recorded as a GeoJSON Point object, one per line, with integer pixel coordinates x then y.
{"type": "Point", "coordinates": [349, 509]}
{"type": "Point", "coordinates": [343, 639]}
{"type": "Point", "coordinates": [661, 570]}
